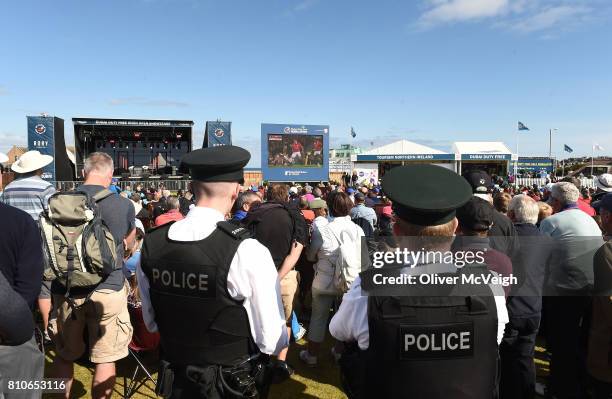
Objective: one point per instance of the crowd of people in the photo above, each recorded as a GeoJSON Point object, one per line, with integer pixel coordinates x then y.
{"type": "Point", "coordinates": [281, 281]}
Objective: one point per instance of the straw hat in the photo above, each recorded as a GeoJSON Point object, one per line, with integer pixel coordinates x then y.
{"type": "Point", "coordinates": [31, 161]}
{"type": "Point", "coordinates": [604, 182]}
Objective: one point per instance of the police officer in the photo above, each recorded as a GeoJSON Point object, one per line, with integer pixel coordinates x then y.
{"type": "Point", "coordinates": [210, 290]}
{"type": "Point", "coordinates": [421, 339]}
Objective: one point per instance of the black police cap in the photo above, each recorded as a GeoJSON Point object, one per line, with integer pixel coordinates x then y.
{"type": "Point", "coordinates": [425, 195]}
{"type": "Point", "coordinates": [217, 164]}
{"type": "Point", "coordinates": [479, 180]}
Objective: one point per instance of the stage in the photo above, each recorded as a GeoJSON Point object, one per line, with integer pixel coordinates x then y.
{"type": "Point", "coordinates": [140, 148]}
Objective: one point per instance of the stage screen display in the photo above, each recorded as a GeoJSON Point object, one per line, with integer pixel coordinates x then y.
{"type": "Point", "coordinates": [295, 152]}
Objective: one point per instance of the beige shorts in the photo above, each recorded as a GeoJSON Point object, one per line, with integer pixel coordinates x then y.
{"type": "Point", "coordinates": [108, 324]}
{"type": "Point", "coordinates": [288, 288]}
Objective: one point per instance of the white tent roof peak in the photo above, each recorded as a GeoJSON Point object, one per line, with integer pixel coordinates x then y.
{"type": "Point", "coordinates": [480, 147]}
{"type": "Point", "coordinates": [402, 147]}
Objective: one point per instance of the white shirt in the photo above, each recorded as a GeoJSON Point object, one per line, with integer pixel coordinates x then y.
{"type": "Point", "coordinates": [319, 222]}
{"type": "Point", "coordinates": [252, 277]}
{"type": "Point", "coordinates": [350, 323]}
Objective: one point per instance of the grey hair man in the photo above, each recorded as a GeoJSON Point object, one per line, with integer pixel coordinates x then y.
{"type": "Point", "coordinates": [244, 202]}
{"type": "Point", "coordinates": [563, 195]}
{"type": "Point", "coordinates": [523, 210]}
{"type": "Point", "coordinates": [576, 237]}
{"type": "Point", "coordinates": [106, 316]}
{"type": "Point", "coordinates": [524, 303]}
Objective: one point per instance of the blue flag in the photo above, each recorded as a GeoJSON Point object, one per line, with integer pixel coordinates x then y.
{"type": "Point", "coordinates": [521, 126]}
{"type": "Point", "coordinates": [353, 134]}
{"type": "Point", "coordinates": [567, 148]}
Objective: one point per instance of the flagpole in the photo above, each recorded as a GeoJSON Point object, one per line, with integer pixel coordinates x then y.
{"type": "Point", "coordinates": [516, 160]}
{"type": "Point", "coordinates": [592, 156]}
{"type": "Point", "coordinates": [563, 168]}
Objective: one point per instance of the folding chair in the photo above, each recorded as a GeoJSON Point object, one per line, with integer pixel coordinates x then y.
{"type": "Point", "coordinates": [142, 341]}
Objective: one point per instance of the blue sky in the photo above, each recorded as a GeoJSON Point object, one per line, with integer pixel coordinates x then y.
{"type": "Point", "coordinates": [431, 71]}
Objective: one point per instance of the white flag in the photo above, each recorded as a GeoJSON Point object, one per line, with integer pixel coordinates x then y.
{"type": "Point", "coordinates": [597, 147]}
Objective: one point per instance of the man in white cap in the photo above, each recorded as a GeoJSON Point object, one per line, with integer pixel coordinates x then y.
{"type": "Point", "coordinates": [30, 193]}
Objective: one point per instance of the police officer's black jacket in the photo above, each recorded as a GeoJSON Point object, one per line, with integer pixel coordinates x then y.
{"type": "Point", "coordinates": [199, 323]}
{"type": "Point", "coordinates": [424, 346]}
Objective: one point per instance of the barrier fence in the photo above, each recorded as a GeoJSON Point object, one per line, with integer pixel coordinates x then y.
{"type": "Point", "coordinates": [530, 181]}
{"type": "Point", "coordinates": [172, 185]}
{"type": "Point", "coordinates": [176, 184]}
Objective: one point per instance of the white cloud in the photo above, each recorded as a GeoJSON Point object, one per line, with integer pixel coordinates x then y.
{"type": "Point", "coordinates": [305, 5]}
{"type": "Point", "coordinates": [549, 18]}
{"type": "Point", "coordinates": [524, 16]}
{"type": "Point", "coordinates": [443, 11]}
{"type": "Point", "coordinates": [147, 102]}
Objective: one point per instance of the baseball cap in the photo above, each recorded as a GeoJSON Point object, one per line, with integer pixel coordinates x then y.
{"type": "Point", "coordinates": [605, 202]}
{"type": "Point", "coordinates": [479, 180]}
{"type": "Point", "coordinates": [317, 204]}
{"type": "Point", "coordinates": [476, 215]}
{"type": "Point", "coordinates": [359, 196]}
{"type": "Point", "coordinates": [350, 190]}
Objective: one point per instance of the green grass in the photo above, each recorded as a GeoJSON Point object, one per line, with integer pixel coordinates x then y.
{"type": "Point", "coordinates": [320, 382]}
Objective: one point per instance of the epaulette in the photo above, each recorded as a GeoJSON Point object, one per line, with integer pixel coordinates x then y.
{"type": "Point", "coordinates": [234, 231]}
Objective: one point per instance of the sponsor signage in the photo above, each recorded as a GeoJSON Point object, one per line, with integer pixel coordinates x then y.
{"type": "Point", "coordinates": [486, 157]}
{"type": "Point", "coordinates": [535, 164]}
{"type": "Point", "coordinates": [132, 122]}
{"type": "Point", "coordinates": [292, 152]}
{"type": "Point", "coordinates": [217, 133]}
{"type": "Point", "coordinates": [406, 157]}
{"type": "Point", "coordinates": [41, 138]}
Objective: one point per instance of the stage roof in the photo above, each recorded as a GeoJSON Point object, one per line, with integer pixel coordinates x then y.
{"type": "Point", "coordinates": [402, 147]}
{"type": "Point", "coordinates": [120, 122]}
{"type": "Point", "coordinates": [480, 147]}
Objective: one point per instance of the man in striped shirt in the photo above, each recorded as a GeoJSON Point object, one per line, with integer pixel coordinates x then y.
{"type": "Point", "coordinates": [30, 193]}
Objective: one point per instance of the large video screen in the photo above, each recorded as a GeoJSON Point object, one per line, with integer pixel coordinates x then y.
{"type": "Point", "coordinates": [295, 151]}
{"type": "Point", "coordinates": [292, 153]}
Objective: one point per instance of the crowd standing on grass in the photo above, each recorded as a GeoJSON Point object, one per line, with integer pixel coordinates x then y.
{"type": "Point", "coordinates": [279, 257]}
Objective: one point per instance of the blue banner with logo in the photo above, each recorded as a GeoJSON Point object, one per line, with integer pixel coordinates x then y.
{"type": "Point", "coordinates": [486, 157]}
{"type": "Point", "coordinates": [41, 139]}
{"type": "Point", "coordinates": [218, 133]}
{"type": "Point", "coordinates": [406, 157]}
{"type": "Point", "coordinates": [535, 164]}
{"type": "Point", "coordinates": [294, 152]}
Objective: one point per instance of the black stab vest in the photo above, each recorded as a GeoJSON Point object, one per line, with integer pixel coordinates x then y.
{"type": "Point", "coordinates": [198, 321]}
{"type": "Point", "coordinates": [433, 346]}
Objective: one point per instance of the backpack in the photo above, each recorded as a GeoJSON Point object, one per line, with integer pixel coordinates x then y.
{"type": "Point", "coordinates": [348, 262]}
{"type": "Point", "coordinates": [78, 246]}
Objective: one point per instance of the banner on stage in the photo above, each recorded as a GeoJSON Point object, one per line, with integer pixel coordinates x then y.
{"type": "Point", "coordinates": [294, 152]}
